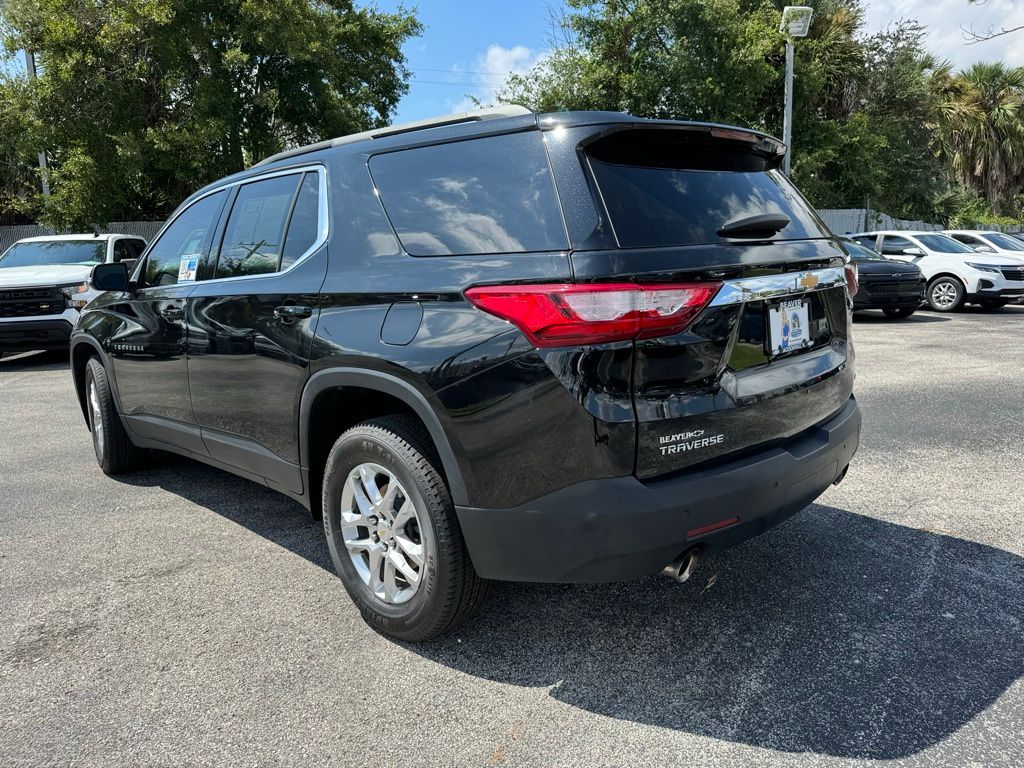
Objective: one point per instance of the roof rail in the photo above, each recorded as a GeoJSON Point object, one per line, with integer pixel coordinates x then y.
{"type": "Point", "coordinates": [476, 115]}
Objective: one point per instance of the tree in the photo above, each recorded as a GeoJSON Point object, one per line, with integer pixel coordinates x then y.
{"type": "Point", "coordinates": [694, 59]}
{"type": "Point", "coordinates": [980, 121]}
{"type": "Point", "coordinates": [860, 104]}
{"type": "Point", "coordinates": [139, 102]}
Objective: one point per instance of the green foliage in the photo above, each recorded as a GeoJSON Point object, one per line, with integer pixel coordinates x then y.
{"type": "Point", "coordinates": [139, 102]}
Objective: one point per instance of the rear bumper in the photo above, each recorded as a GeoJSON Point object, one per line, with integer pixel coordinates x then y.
{"type": "Point", "coordinates": [24, 335]}
{"type": "Point", "coordinates": [620, 528]}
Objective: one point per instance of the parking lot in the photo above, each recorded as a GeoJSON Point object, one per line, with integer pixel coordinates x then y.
{"type": "Point", "coordinates": [182, 616]}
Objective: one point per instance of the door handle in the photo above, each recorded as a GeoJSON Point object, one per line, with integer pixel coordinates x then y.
{"type": "Point", "coordinates": [172, 313]}
{"type": "Point", "coordinates": [292, 312]}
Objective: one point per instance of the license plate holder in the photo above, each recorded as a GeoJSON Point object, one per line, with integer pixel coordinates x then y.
{"type": "Point", "coordinates": [789, 327]}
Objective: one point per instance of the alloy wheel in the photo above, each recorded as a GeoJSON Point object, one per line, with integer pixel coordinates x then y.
{"type": "Point", "coordinates": [944, 295]}
{"type": "Point", "coordinates": [381, 530]}
{"type": "Point", "coordinates": [96, 418]}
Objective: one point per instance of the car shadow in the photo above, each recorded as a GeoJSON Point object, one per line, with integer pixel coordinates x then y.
{"type": "Point", "coordinates": [15, 362]}
{"type": "Point", "coordinates": [876, 316]}
{"type": "Point", "coordinates": [835, 633]}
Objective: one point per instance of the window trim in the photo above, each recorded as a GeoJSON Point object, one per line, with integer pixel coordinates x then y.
{"type": "Point", "coordinates": [323, 220]}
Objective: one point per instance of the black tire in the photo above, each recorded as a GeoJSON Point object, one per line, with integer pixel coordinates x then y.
{"type": "Point", "coordinates": [946, 294]}
{"type": "Point", "coordinates": [115, 452]}
{"type": "Point", "coordinates": [992, 304]}
{"type": "Point", "coordinates": [449, 592]}
{"type": "Point", "coordinates": [899, 313]}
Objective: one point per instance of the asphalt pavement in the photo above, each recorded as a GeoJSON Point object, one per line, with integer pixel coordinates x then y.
{"type": "Point", "coordinates": [182, 616]}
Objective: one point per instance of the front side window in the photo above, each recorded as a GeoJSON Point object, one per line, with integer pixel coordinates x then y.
{"type": "Point", "coordinates": [175, 255]}
{"type": "Point", "coordinates": [488, 195]}
{"type": "Point", "coordinates": [48, 252]}
{"type": "Point", "coordinates": [868, 241]}
{"type": "Point", "coordinates": [125, 249]}
{"type": "Point", "coordinates": [968, 240]}
{"type": "Point", "coordinates": [893, 245]}
{"type": "Point", "coordinates": [255, 232]}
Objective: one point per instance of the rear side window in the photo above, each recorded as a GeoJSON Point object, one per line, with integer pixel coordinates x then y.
{"type": "Point", "coordinates": [669, 187]}
{"type": "Point", "coordinates": [179, 248]}
{"type": "Point", "coordinates": [254, 235]}
{"type": "Point", "coordinates": [489, 195]}
{"type": "Point", "coordinates": [304, 227]}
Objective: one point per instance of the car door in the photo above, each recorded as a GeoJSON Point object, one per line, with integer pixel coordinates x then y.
{"type": "Point", "coordinates": [251, 321]}
{"type": "Point", "coordinates": [149, 355]}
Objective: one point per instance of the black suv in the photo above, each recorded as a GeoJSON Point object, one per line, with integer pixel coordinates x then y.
{"type": "Point", "coordinates": [573, 347]}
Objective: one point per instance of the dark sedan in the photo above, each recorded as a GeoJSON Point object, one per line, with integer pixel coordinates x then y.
{"type": "Point", "coordinates": [895, 287]}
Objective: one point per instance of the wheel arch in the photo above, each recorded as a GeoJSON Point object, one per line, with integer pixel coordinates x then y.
{"type": "Point", "coordinates": [322, 383]}
{"type": "Point", "coordinates": [83, 348]}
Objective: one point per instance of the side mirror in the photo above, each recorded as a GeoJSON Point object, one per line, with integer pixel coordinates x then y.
{"type": "Point", "coordinates": [983, 249]}
{"type": "Point", "coordinates": [110, 277]}
{"type": "Point", "coordinates": [913, 251]}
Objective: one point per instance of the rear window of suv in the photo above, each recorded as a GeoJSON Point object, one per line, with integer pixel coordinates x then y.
{"type": "Point", "coordinates": [487, 195]}
{"type": "Point", "coordinates": [672, 187]}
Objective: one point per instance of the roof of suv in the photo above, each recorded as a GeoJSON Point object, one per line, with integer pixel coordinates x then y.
{"type": "Point", "coordinates": [84, 236]}
{"type": "Point", "coordinates": [482, 121]}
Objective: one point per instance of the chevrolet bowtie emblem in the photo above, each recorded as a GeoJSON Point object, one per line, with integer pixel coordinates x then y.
{"type": "Point", "coordinates": [807, 281]}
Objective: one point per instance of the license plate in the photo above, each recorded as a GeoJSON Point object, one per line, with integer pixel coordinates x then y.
{"type": "Point", "coordinates": [789, 327]}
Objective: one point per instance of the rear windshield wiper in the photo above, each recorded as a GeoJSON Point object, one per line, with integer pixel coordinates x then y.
{"type": "Point", "coordinates": [758, 227]}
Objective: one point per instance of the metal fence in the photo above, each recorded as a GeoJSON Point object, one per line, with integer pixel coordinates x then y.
{"type": "Point", "coordinates": [145, 229]}
{"type": "Point", "coordinates": [844, 221]}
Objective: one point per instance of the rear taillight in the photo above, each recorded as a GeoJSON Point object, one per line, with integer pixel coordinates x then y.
{"type": "Point", "coordinates": [564, 315]}
{"type": "Point", "coordinates": [852, 278]}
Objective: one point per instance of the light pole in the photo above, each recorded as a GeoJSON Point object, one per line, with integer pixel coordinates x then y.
{"type": "Point", "coordinates": [796, 21]}
{"type": "Point", "coordinates": [30, 65]}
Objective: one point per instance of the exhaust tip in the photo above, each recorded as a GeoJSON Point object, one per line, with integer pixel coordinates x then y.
{"type": "Point", "coordinates": [842, 475]}
{"type": "Point", "coordinates": [683, 567]}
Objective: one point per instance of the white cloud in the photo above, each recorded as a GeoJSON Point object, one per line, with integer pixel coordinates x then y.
{"type": "Point", "coordinates": [946, 21]}
{"type": "Point", "coordinates": [490, 69]}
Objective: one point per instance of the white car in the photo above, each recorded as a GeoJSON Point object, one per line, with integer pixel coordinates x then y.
{"type": "Point", "coordinates": [989, 242]}
{"type": "Point", "coordinates": [956, 273]}
{"type": "Point", "coordinates": [44, 285]}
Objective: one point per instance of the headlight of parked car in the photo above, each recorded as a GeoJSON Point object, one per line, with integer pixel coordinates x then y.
{"type": "Point", "coordinates": [78, 295]}
{"type": "Point", "coordinates": [984, 267]}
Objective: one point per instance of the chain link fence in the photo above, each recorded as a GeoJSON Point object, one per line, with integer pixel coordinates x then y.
{"type": "Point", "coordinates": [844, 221]}
{"type": "Point", "coordinates": [145, 229]}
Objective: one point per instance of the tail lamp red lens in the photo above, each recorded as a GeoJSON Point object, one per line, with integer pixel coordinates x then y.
{"type": "Point", "coordinates": [558, 315]}
{"type": "Point", "coordinates": [852, 278]}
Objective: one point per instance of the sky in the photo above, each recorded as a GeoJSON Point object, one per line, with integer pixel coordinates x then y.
{"type": "Point", "coordinates": [469, 46]}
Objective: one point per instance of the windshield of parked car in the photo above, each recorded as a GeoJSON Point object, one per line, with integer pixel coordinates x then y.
{"type": "Point", "coordinates": [860, 252]}
{"type": "Point", "coordinates": [46, 252]}
{"type": "Point", "coordinates": [1005, 242]}
{"type": "Point", "coordinates": [943, 244]}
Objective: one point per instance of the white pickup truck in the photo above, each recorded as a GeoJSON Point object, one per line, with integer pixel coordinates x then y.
{"type": "Point", "coordinates": [44, 285]}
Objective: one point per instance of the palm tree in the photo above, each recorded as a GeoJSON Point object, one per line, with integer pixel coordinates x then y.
{"type": "Point", "coordinates": [980, 116]}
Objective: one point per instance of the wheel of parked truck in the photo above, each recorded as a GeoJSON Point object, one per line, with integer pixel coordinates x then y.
{"type": "Point", "coordinates": [898, 312]}
{"type": "Point", "coordinates": [991, 304]}
{"type": "Point", "coordinates": [115, 452]}
{"type": "Point", "coordinates": [946, 294]}
{"type": "Point", "coordinates": [393, 532]}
